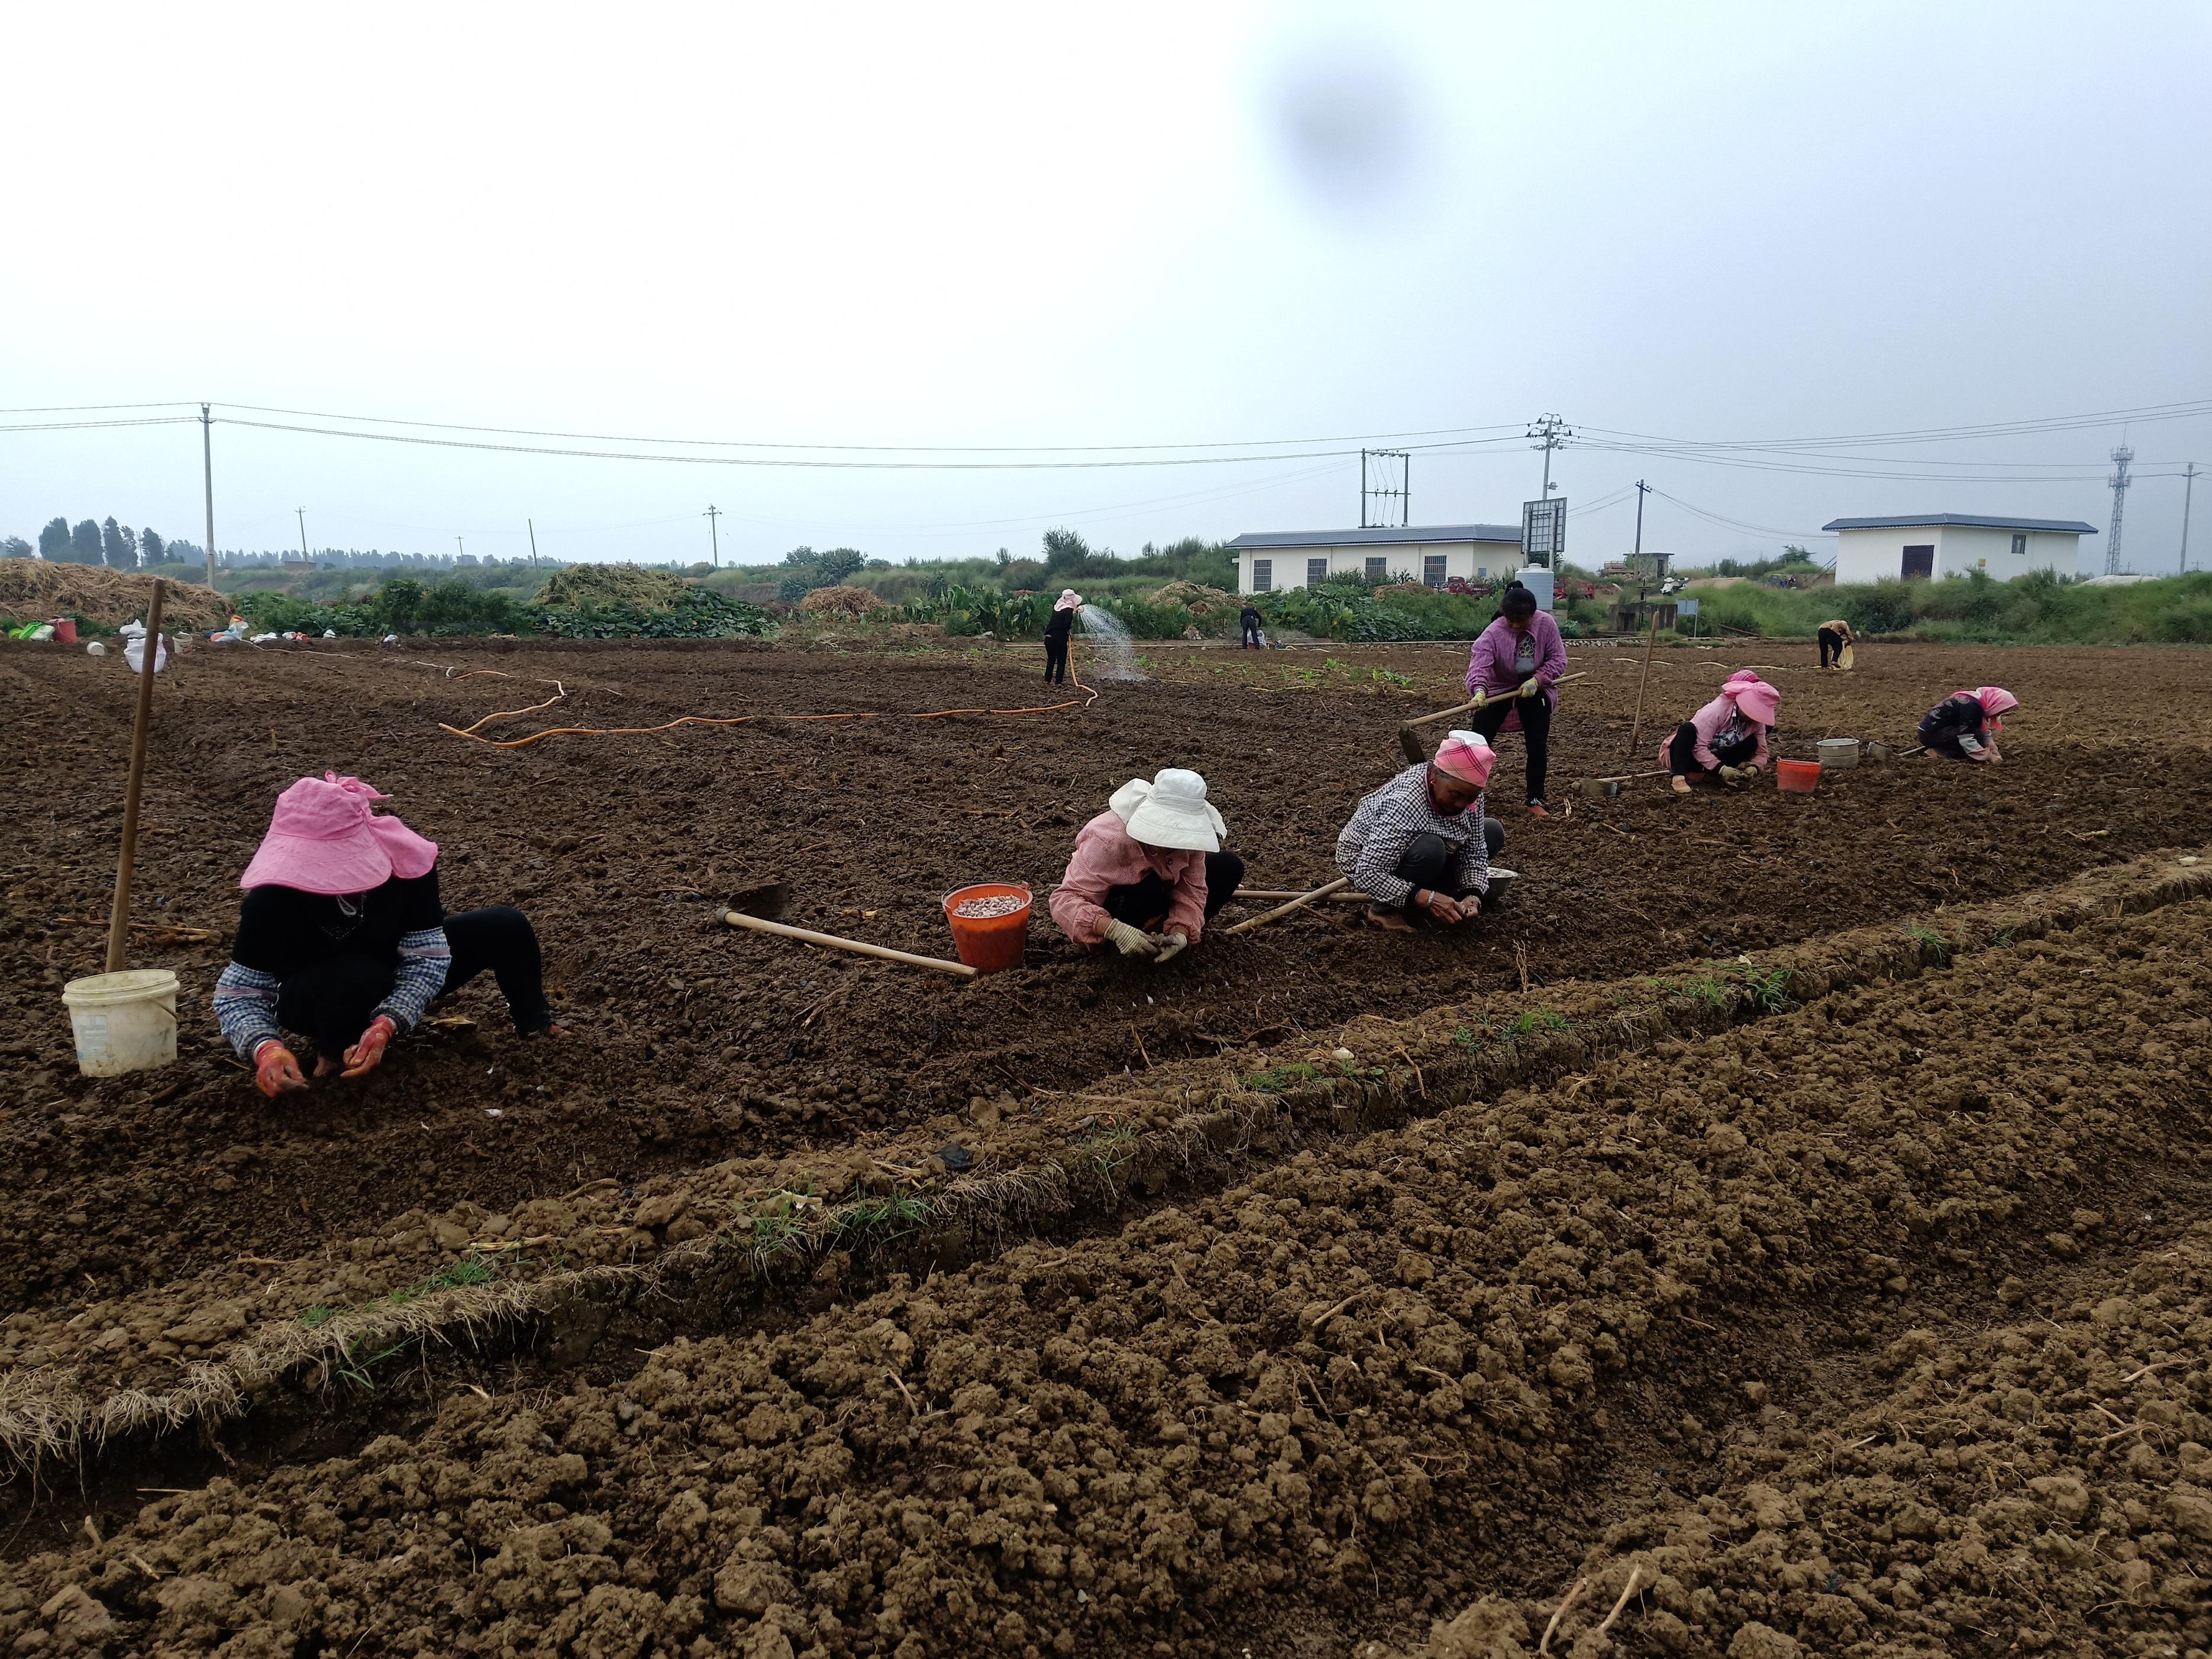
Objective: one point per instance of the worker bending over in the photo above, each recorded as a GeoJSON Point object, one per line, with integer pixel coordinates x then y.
{"type": "Point", "coordinates": [1148, 872]}
{"type": "Point", "coordinates": [1966, 724]}
{"type": "Point", "coordinates": [1522, 647]}
{"type": "Point", "coordinates": [1420, 845]}
{"type": "Point", "coordinates": [1727, 738]}
{"type": "Point", "coordinates": [341, 936]}
{"type": "Point", "coordinates": [1835, 639]}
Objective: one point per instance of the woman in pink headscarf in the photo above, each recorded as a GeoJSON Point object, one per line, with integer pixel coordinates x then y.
{"type": "Point", "coordinates": [1420, 846]}
{"type": "Point", "coordinates": [1727, 738]}
{"type": "Point", "coordinates": [1056, 630]}
{"type": "Point", "coordinates": [341, 936]}
{"type": "Point", "coordinates": [1966, 724]}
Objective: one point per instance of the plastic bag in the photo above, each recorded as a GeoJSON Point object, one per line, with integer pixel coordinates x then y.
{"type": "Point", "coordinates": [134, 648]}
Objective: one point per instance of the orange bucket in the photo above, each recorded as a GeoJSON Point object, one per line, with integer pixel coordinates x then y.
{"type": "Point", "coordinates": [990, 945]}
{"type": "Point", "coordinates": [1797, 777]}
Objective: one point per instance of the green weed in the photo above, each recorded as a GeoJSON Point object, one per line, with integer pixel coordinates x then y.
{"type": "Point", "coordinates": [319, 1316]}
{"type": "Point", "coordinates": [1108, 1150]}
{"type": "Point", "coordinates": [885, 1218]}
{"type": "Point", "coordinates": [359, 1372]}
{"type": "Point", "coordinates": [1389, 677]}
{"type": "Point", "coordinates": [1928, 938]}
{"type": "Point", "coordinates": [1538, 1019]}
{"type": "Point", "coordinates": [1279, 1079]}
{"type": "Point", "coordinates": [1766, 989]}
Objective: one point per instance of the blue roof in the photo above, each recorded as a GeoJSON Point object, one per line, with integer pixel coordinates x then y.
{"type": "Point", "coordinates": [1395, 536]}
{"type": "Point", "coordinates": [2069, 526]}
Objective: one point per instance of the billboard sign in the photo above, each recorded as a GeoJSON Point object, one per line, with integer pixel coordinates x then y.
{"type": "Point", "coordinates": [1544, 532]}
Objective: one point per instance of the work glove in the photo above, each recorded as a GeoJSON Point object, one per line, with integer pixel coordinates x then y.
{"type": "Point", "coordinates": [366, 1054]}
{"type": "Point", "coordinates": [1733, 775]}
{"type": "Point", "coordinates": [276, 1070]}
{"type": "Point", "coordinates": [1170, 945]}
{"type": "Point", "coordinates": [1130, 941]}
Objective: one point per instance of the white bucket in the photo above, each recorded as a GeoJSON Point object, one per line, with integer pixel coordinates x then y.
{"type": "Point", "coordinates": [124, 1022]}
{"type": "Point", "coordinates": [1837, 753]}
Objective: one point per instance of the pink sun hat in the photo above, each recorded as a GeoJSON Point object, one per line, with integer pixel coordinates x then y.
{"type": "Point", "coordinates": [411, 854]}
{"type": "Point", "coordinates": [1757, 701]}
{"type": "Point", "coordinates": [320, 841]}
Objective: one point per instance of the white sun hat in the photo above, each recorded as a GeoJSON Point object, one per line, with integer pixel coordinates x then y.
{"type": "Point", "coordinates": [1171, 811]}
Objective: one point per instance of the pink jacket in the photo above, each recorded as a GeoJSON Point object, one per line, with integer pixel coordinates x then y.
{"type": "Point", "coordinates": [1710, 720]}
{"type": "Point", "coordinates": [1106, 857]}
{"type": "Point", "coordinates": [1490, 665]}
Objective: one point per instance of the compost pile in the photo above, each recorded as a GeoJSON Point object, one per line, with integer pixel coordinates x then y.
{"type": "Point", "coordinates": [1201, 601]}
{"type": "Point", "coordinates": [1859, 1304]}
{"type": "Point", "coordinates": [839, 602]}
{"type": "Point", "coordinates": [590, 586]}
{"type": "Point", "coordinates": [37, 589]}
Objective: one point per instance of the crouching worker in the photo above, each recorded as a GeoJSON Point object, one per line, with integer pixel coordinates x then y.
{"type": "Point", "coordinates": [1966, 724]}
{"type": "Point", "coordinates": [1727, 738]}
{"type": "Point", "coordinates": [341, 937]}
{"type": "Point", "coordinates": [1149, 872]}
{"type": "Point", "coordinates": [1420, 844]}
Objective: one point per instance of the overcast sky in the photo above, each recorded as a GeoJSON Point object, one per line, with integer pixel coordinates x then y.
{"type": "Point", "coordinates": [1055, 225]}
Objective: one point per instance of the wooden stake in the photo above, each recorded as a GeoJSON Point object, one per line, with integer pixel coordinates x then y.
{"type": "Point", "coordinates": [1261, 894]}
{"type": "Point", "coordinates": [860, 947]}
{"type": "Point", "coordinates": [1636, 730]}
{"type": "Point", "coordinates": [118, 915]}
{"type": "Point", "coordinates": [1299, 902]}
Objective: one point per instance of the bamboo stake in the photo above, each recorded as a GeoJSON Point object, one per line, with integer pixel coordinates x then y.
{"type": "Point", "coordinates": [1636, 730]}
{"type": "Point", "coordinates": [1482, 700]}
{"type": "Point", "coordinates": [1302, 900]}
{"type": "Point", "coordinates": [858, 946]}
{"type": "Point", "coordinates": [118, 915]}
{"type": "Point", "coordinates": [1278, 893]}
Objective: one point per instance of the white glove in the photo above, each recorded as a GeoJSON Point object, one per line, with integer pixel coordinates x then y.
{"type": "Point", "coordinates": [1129, 941]}
{"type": "Point", "coordinates": [1168, 945]}
{"type": "Point", "coordinates": [1733, 774]}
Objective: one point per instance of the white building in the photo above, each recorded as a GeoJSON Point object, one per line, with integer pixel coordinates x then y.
{"type": "Point", "coordinates": [1935, 544]}
{"type": "Point", "coordinates": [1274, 561]}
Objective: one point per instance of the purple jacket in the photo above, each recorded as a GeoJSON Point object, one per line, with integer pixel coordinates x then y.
{"type": "Point", "coordinates": [1489, 666]}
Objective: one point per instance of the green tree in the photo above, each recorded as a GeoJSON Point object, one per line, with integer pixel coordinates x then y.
{"type": "Point", "coordinates": [152, 547]}
{"type": "Point", "coordinates": [839, 563]}
{"type": "Point", "coordinates": [1066, 553]}
{"type": "Point", "coordinates": [84, 543]}
{"type": "Point", "coordinates": [54, 539]}
{"type": "Point", "coordinates": [118, 551]}
{"type": "Point", "coordinates": [15, 547]}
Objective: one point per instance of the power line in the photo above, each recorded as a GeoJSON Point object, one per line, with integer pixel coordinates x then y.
{"type": "Point", "coordinates": [1738, 524]}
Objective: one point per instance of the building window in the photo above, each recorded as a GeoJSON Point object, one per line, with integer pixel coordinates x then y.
{"type": "Point", "coordinates": [2020, 545]}
{"type": "Point", "coordinates": [1378, 570]}
{"type": "Point", "coordinates": [1919, 562]}
{"type": "Point", "coordinates": [1316, 572]}
{"type": "Point", "coordinates": [1432, 569]}
{"type": "Point", "coordinates": [1263, 575]}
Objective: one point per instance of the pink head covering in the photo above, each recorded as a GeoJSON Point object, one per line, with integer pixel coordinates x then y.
{"type": "Point", "coordinates": [1069, 599]}
{"type": "Point", "coordinates": [411, 856]}
{"type": "Point", "coordinates": [1995, 700]}
{"type": "Point", "coordinates": [1757, 701]}
{"type": "Point", "coordinates": [1742, 676]}
{"type": "Point", "coordinates": [1465, 756]}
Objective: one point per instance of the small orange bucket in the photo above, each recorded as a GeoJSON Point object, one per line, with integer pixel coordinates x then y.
{"type": "Point", "coordinates": [990, 945]}
{"type": "Point", "coordinates": [1797, 777]}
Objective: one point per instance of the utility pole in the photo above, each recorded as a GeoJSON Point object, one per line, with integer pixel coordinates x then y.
{"type": "Point", "coordinates": [2188, 491]}
{"type": "Point", "coordinates": [1551, 433]}
{"type": "Point", "coordinates": [2118, 482]}
{"type": "Point", "coordinates": [713, 515]}
{"type": "Point", "coordinates": [532, 523]}
{"type": "Point", "coordinates": [458, 549]}
{"type": "Point", "coordinates": [1636, 559]}
{"type": "Point", "coordinates": [304, 553]}
{"type": "Point", "coordinates": [207, 462]}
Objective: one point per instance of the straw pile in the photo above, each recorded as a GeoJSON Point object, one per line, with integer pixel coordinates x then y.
{"type": "Point", "coordinates": [1196, 597]}
{"type": "Point", "coordinates": [591, 587]}
{"type": "Point", "coordinates": [37, 589]}
{"type": "Point", "coordinates": [841, 602]}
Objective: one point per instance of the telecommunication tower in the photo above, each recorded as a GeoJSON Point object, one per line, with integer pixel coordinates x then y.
{"type": "Point", "coordinates": [2119, 482]}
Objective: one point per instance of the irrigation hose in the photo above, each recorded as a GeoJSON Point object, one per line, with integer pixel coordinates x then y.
{"type": "Point", "coordinates": [740, 719]}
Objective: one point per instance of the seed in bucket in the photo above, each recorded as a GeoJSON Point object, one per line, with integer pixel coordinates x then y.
{"type": "Point", "coordinates": [977, 909]}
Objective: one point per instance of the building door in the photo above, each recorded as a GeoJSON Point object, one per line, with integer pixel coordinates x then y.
{"type": "Point", "coordinates": [1919, 562]}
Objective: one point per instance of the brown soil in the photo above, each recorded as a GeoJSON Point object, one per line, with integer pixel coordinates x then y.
{"type": "Point", "coordinates": [1545, 1292]}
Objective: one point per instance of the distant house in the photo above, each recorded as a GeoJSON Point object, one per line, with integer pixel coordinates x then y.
{"type": "Point", "coordinates": [1271, 561]}
{"type": "Point", "coordinates": [1935, 544]}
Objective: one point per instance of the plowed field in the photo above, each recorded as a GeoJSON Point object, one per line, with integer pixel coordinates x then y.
{"type": "Point", "coordinates": [1714, 1308]}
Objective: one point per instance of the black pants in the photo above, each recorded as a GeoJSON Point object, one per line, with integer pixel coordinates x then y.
{"type": "Point", "coordinates": [334, 1000]}
{"type": "Point", "coordinates": [1682, 752]}
{"type": "Point", "coordinates": [1055, 660]}
{"type": "Point", "coordinates": [1535, 730]}
{"type": "Point", "coordinates": [1144, 904]}
{"type": "Point", "coordinates": [1251, 636]}
{"type": "Point", "coordinates": [1428, 859]}
{"type": "Point", "coordinates": [1831, 645]}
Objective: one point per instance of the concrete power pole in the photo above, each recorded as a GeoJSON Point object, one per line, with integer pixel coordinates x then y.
{"type": "Point", "coordinates": [2119, 482]}
{"type": "Point", "coordinates": [304, 553]}
{"type": "Point", "coordinates": [532, 523]}
{"type": "Point", "coordinates": [207, 464]}
{"type": "Point", "coordinates": [1551, 433]}
{"type": "Point", "coordinates": [713, 516]}
{"type": "Point", "coordinates": [2188, 491]}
